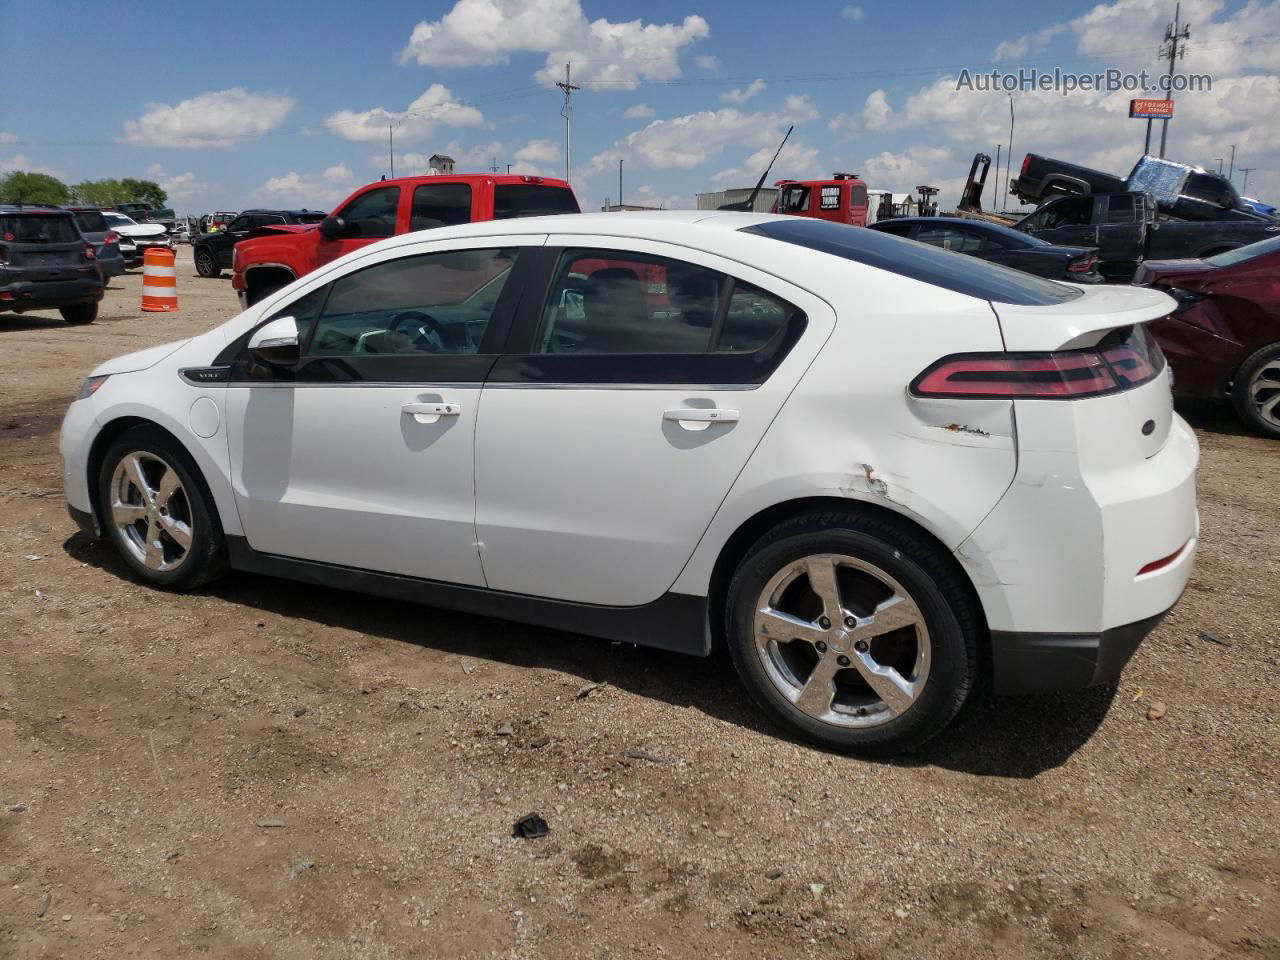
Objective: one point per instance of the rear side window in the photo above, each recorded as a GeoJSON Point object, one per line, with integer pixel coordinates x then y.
{"type": "Point", "coordinates": [531, 200]}
{"type": "Point", "coordinates": [1120, 209]}
{"type": "Point", "coordinates": [960, 274]}
{"type": "Point", "coordinates": [38, 228]}
{"type": "Point", "coordinates": [948, 237]}
{"type": "Point", "coordinates": [91, 221]}
{"type": "Point", "coordinates": [613, 302]}
{"type": "Point", "coordinates": [372, 214]}
{"type": "Point", "coordinates": [440, 205]}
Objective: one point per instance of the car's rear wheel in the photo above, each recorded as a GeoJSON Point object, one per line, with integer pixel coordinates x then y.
{"type": "Point", "coordinates": [206, 264]}
{"type": "Point", "coordinates": [80, 313]}
{"type": "Point", "coordinates": [1256, 390]}
{"type": "Point", "coordinates": [158, 512]}
{"type": "Point", "coordinates": [853, 631]}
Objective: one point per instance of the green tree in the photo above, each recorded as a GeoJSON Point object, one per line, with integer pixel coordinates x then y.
{"type": "Point", "coordinates": [33, 188]}
{"type": "Point", "coordinates": [147, 191]}
{"type": "Point", "coordinates": [100, 193]}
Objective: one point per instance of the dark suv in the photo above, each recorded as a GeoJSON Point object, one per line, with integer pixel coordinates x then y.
{"type": "Point", "coordinates": [213, 251]}
{"type": "Point", "coordinates": [46, 263]}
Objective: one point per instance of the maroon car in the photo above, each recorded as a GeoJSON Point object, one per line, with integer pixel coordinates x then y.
{"type": "Point", "coordinates": [1223, 340]}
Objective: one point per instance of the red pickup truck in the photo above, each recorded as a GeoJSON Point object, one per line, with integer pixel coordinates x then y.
{"type": "Point", "coordinates": [273, 257]}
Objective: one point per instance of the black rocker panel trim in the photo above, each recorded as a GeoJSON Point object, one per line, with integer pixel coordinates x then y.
{"type": "Point", "coordinates": [675, 621]}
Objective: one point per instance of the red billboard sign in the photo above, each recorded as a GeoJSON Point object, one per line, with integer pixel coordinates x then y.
{"type": "Point", "coordinates": [1151, 109]}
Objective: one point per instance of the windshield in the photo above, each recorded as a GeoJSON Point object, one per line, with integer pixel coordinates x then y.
{"type": "Point", "coordinates": [38, 228]}
{"type": "Point", "coordinates": [1241, 254]}
{"type": "Point", "coordinates": [91, 221]}
{"type": "Point", "coordinates": [531, 200]}
{"type": "Point", "coordinates": [919, 261]}
{"type": "Point", "coordinates": [119, 220]}
{"type": "Point", "coordinates": [311, 217]}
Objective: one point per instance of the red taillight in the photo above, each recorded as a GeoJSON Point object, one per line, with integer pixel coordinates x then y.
{"type": "Point", "coordinates": [1026, 162]}
{"type": "Point", "coordinates": [1129, 365]}
{"type": "Point", "coordinates": [89, 254]}
{"type": "Point", "coordinates": [111, 237]}
{"type": "Point", "coordinates": [1163, 561]}
{"type": "Point", "coordinates": [1047, 376]}
{"type": "Point", "coordinates": [1082, 265]}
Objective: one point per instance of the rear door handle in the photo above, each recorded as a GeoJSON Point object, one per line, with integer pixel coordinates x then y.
{"type": "Point", "coordinates": [700, 418]}
{"type": "Point", "coordinates": [430, 412]}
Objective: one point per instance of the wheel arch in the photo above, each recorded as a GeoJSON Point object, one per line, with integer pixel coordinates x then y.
{"type": "Point", "coordinates": [739, 543]}
{"type": "Point", "coordinates": [261, 276]}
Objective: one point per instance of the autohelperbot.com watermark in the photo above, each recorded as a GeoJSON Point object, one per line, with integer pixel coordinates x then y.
{"type": "Point", "coordinates": [1112, 80]}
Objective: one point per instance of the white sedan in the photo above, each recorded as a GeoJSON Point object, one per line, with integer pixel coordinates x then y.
{"type": "Point", "coordinates": [870, 468]}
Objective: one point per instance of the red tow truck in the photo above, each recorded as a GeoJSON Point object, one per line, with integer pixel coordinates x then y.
{"type": "Point", "coordinates": [842, 199]}
{"type": "Point", "coordinates": [272, 257]}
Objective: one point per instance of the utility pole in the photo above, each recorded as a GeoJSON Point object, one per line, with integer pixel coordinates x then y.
{"type": "Point", "coordinates": [494, 167]}
{"type": "Point", "coordinates": [391, 148]}
{"type": "Point", "coordinates": [619, 181]}
{"type": "Point", "coordinates": [1176, 36]}
{"type": "Point", "coordinates": [1219, 159]}
{"type": "Point", "coordinates": [1232, 168]}
{"type": "Point", "coordinates": [995, 194]}
{"type": "Point", "coordinates": [567, 112]}
{"type": "Point", "coordinates": [1008, 157]}
{"type": "Point", "coordinates": [1246, 171]}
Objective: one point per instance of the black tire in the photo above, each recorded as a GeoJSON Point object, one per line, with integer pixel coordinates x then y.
{"type": "Point", "coordinates": [207, 263]}
{"type": "Point", "coordinates": [944, 599]}
{"type": "Point", "coordinates": [206, 557]}
{"type": "Point", "coordinates": [1262, 367]}
{"type": "Point", "coordinates": [79, 313]}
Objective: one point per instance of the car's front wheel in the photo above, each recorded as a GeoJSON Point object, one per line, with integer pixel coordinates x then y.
{"type": "Point", "coordinates": [158, 512]}
{"type": "Point", "coordinates": [1256, 390]}
{"type": "Point", "coordinates": [853, 631]}
{"type": "Point", "coordinates": [206, 264]}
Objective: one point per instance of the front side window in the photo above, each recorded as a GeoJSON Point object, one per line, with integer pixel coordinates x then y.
{"type": "Point", "coordinates": [1068, 212]}
{"type": "Point", "coordinates": [238, 224]}
{"type": "Point", "coordinates": [611, 302]}
{"type": "Point", "coordinates": [433, 303]}
{"type": "Point", "coordinates": [372, 214]}
{"type": "Point", "coordinates": [948, 238]}
{"type": "Point", "coordinates": [1120, 209]}
{"type": "Point", "coordinates": [793, 199]}
{"type": "Point", "coordinates": [440, 205]}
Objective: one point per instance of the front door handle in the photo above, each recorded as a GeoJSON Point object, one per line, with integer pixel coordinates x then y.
{"type": "Point", "coordinates": [700, 418]}
{"type": "Point", "coordinates": [429, 412]}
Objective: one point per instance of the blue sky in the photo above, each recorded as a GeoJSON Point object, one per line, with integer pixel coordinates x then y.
{"type": "Point", "coordinates": [233, 106]}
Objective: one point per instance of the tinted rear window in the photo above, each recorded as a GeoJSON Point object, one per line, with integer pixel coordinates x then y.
{"type": "Point", "coordinates": [531, 200]}
{"type": "Point", "coordinates": [38, 228]}
{"type": "Point", "coordinates": [941, 268]}
{"type": "Point", "coordinates": [91, 221]}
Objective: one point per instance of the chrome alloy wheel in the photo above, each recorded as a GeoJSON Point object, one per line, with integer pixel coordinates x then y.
{"type": "Point", "coordinates": [1264, 392]}
{"type": "Point", "coordinates": [842, 640]}
{"type": "Point", "coordinates": [150, 510]}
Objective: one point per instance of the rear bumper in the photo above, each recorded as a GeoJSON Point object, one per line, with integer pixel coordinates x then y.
{"type": "Point", "coordinates": [1041, 662]}
{"type": "Point", "coordinates": [42, 295]}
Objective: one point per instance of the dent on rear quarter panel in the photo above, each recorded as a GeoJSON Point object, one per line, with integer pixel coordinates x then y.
{"type": "Point", "coordinates": [851, 429]}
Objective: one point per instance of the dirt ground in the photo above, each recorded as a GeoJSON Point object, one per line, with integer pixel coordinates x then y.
{"type": "Point", "coordinates": [265, 769]}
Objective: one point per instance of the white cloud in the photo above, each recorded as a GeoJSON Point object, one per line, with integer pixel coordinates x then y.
{"type": "Point", "coordinates": [743, 94]}
{"type": "Point", "coordinates": [691, 140]}
{"type": "Point", "coordinates": [178, 187]}
{"type": "Point", "coordinates": [1028, 43]}
{"type": "Point", "coordinates": [322, 191]}
{"type": "Point", "coordinates": [7, 137]}
{"type": "Point", "coordinates": [798, 108]}
{"type": "Point", "coordinates": [437, 106]}
{"type": "Point", "coordinates": [876, 112]}
{"type": "Point", "coordinates": [338, 173]}
{"type": "Point", "coordinates": [215, 119]}
{"type": "Point", "coordinates": [851, 12]}
{"type": "Point", "coordinates": [844, 125]}
{"type": "Point", "coordinates": [797, 161]}
{"type": "Point", "coordinates": [537, 157]}
{"type": "Point", "coordinates": [638, 112]}
{"type": "Point", "coordinates": [486, 32]}
{"type": "Point", "coordinates": [707, 62]}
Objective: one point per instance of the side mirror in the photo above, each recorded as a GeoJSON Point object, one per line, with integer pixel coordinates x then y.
{"type": "Point", "coordinates": [276, 343]}
{"type": "Point", "coordinates": [331, 228]}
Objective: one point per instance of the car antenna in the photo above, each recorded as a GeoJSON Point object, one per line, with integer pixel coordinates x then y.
{"type": "Point", "coordinates": [750, 203]}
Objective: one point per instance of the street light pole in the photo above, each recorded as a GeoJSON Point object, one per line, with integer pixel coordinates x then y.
{"type": "Point", "coordinates": [619, 181]}
{"type": "Point", "coordinates": [1232, 168]}
{"type": "Point", "coordinates": [391, 147]}
{"type": "Point", "coordinates": [1246, 171]}
{"type": "Point", "coordinates": [1174, 35]}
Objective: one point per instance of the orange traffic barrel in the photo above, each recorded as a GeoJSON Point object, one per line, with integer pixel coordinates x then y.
{"type": "Point", "coordinates": [159, 281]}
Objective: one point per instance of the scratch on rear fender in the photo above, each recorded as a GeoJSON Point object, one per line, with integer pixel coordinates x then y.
{"type": "Point", "coordinates": [875, 484]}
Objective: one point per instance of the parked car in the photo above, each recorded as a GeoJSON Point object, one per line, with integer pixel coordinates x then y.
{"type": "Point", "coordinates": [276, 256]}
{"type": "Point", "coordinates": [143, 236]}
{"type": "Point", "coordinates": [1223, 341]}
{"type": "Point", "coordinates": [1126, 229]}
{"type": "Point", "coordinates": [821, 471]}
{"type": "Point", "coordinates": [213, 222]}
{"type": "Point", "coordinates": [997, 244]}
{"type": "Point", "coordinates": [212, 251]}
{"type": "Point", "coordinates": [1179, 189]}
{"type": "Point", "coordinates": [106, 242]}
{"type": "Point", "coordinates": [45, 264]}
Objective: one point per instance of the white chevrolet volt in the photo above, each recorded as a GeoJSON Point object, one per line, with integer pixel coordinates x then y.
{"type": "Point", "coordinates": [872, 469]}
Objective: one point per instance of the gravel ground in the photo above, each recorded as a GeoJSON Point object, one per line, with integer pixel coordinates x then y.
{"type": "Point", "coordinates": [265, 769]}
